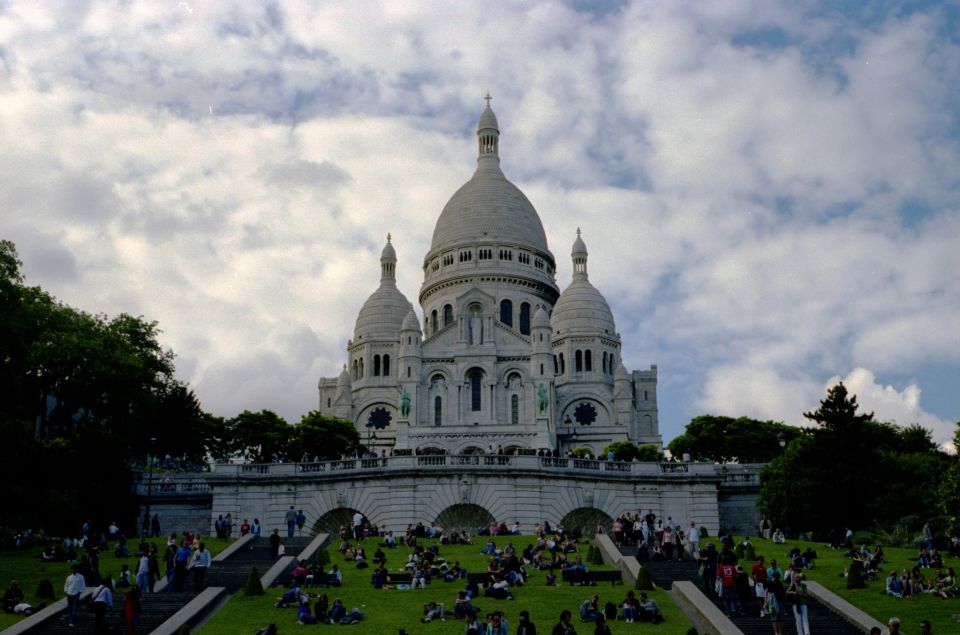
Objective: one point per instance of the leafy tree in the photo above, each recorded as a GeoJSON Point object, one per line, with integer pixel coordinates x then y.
{"type": "Point", "coordinates": [719, 438]}
{"type": "Point", "coordinates": [948, 491]}
{"type": "Point", "coordinates": [649, 453]}
{"type": "Point", "coordinates": [627, 451]}
{"type": "Point", "coordinates": [261, 436]}
{"type": "Point", "coordinates": [317, 436]}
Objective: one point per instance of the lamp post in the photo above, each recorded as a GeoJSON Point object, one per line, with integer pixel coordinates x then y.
{"type": "Point", "coordinates": [782, 440]}
{"type": "Point", "coordinates": [371, 437]}
{"type": "Point", "coordinates": [146, 514]}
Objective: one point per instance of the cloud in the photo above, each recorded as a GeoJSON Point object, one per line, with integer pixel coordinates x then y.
{"type": "Point", "coordinates": [767, 190]}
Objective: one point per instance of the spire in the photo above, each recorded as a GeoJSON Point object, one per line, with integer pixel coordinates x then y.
{"type": "Point", "coordinates": [388, 262]}
{"type": "Point", "coordinates": [488, 134]}
{"type": "Point", "coordinates": [579, 254]}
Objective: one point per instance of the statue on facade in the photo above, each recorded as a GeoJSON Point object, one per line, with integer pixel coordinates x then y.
{"type": "Point", "coordinates": [404, 402]}
{"type": "Point", "coordinates": [542, 400]}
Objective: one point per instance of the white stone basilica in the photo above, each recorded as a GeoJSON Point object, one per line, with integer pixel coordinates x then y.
{"type": "Point", "coordinates": [503, 359]}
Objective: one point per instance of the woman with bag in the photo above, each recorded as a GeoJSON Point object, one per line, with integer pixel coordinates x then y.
{"type": "Point", "coordinates": [797, 592]}
{"type": "Point", "coordinates": [774, 603]}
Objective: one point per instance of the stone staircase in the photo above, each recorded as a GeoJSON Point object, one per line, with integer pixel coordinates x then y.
{"type": "Point", "coordinates": [822, 620]}
{"type": "Point", "coordinates": [157, 607]}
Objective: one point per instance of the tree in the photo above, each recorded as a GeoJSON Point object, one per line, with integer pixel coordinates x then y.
{"type": "Point", "coordinates": [948, 491]}
{"type": "Point", "coordinates": [317, 436]}
{"type": "Point", "coordinates": [627, 451]}
{"type": "Point", "coordinates": [261, 436]}
{"type": "Point", "coordinates": [719, 438]}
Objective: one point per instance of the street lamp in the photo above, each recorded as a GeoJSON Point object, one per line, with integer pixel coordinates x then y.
{"type": "Point", "coordinates": [371, 437]}
{"type": "Point", "coordinates": [146, 514]}
{"type": "Point", "coordinates": [782, 440]}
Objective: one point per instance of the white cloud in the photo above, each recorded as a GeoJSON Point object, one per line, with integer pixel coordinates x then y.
{"type": "Point", "coordinates": [743, 203]}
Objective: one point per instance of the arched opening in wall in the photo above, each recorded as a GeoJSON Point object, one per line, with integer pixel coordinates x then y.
{"type": "Point", "coordinates": [587, 361]}
{"type": "Point", "coordinates": [475, 379]}
{"type": "Point", "coordinates": [361, 368]}
{"type": "Point", "coordinates": [447, 315]}
{"type": "Point", "coordinates": [356, 370]}
{"type": "Point", "coordinates": [604, 362]}
{"type": "Point", "coordinates": [437, 410]}
{"type": "Point", "coordinates": [563, 366]}
{"type": "Point", "coordinates": [376, 365]}
{"type": "Point", "coordinates": [514, 409]}
{"type": "Point", "coordinates": [578, 366]}
{"type": "Point", "coordinates": [506, 312]}
{"type": "Point", "coordinates": [513, 449]}
{"type": "Point", "coordinates": [464, 517]}
{"type": "Point", "coordinates": [433, 321]}
{"type": "Point", "coordinates": [525, 318]}
{"type": "Point", "coordinates": [585, 519]}
{"type": "Point", "coordinates": [386, 366]}
{"type": "Point", "coordinates": [333, 520]}
{"type": "Point", "coordinates": [430, 450]}
{"type": "Point", "coordinates": [471, 450]}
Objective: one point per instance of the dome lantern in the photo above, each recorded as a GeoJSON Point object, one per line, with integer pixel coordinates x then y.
{"type": "Point", "coordinates": [488, 135]}
{"type": "Point", "coordinates": [388, 262]}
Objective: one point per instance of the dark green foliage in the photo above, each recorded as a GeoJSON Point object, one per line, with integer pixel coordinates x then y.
{"type": "Point", "coordinates": [717, 438]}
{"type": "Point", "coordinates": [738, 551]}
{"type": "Point", "coordinates": [627, 451]}
{"type": "Point", "coordinates": [644, 582]}
{"type": "Point", "coordinates": [855, 575]}
{"type": "Point", "coordinates": [322, 557]}
{"type": "Point", "coordinates": [184, 630]}
{"type": "Point", "coordinates": [750, 553]}
{"type": "Point", "coordinates": [45, 590]}
{"type": "Point", "coordinates": [704, 533]}
{"type": "Point", "coordinates": [692, 631]}
{"type": "Point", "coordinates": [253, 586]}
{"type": "Point", "coordinates": [594, 556]}
{"type": "Point", "coordinates": [323, 437]}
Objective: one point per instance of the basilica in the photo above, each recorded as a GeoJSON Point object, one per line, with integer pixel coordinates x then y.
{"type": "Point", "coordinates": [502, 361]}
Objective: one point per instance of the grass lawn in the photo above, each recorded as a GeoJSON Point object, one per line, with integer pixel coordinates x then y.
{"type": "Point", "coordinates": [944, 615]}
{"type": "Point", "coordinates": [387, 610]}
{"type": "Point", "coordinates": [28, 570]}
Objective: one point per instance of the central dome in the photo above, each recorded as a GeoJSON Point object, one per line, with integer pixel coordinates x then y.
{"type": "Point", "coordinates": [488, 207]}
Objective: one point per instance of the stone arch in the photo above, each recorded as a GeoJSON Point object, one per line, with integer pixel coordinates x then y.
{"type": "Point", "coordinates": [466, 516]}
{"type": "Point", "coordinates": [595, 410]}
{"type": "Point", "coordinates": [430, 449]}
{"type": "Point", "coordinates": [585, 519]}
{"type": "Point", "coordinates": [472, 448]}
{"type": "Point", "coordinates": [331, 521]}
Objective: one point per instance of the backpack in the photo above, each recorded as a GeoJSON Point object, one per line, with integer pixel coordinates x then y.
{"type": "Point", "coordinates": [610, 611]}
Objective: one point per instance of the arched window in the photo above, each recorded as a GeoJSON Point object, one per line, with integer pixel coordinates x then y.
{"type": "Point", "coordinates": [604, 362]}
{"type": "Point", "coordinates": [525, 318]}
{"type": "Point", "coordinates": [437, 410]}
{"type": "Point", "coordinates": [515, 409]}
{"type": "Point", "coordinates": [376, 365]}
{"type": "Point", "coordinates": [506, 312]}
{"type": "Point", "coordinates": [578, 356]}
{"type": "Point", "coordinates": [356, 370]}
{"type": "Point", "coordinates": [476, 390]}
{"type": "Point", "coordinates": [433, 321]}
{"type": "Point", "coordinates": [361, 368]}
{"type": "Point", "coordinates": [328, 402]}
{"type": "Point", "coordinates": [563, 367]}
{"type": "Point", "coordinates": [587, 361]}
{"type": "Point", "coordinates": [386, 365]}
{"type": "Point", "coordinates": [556, 366]}
{"type": "Point", "coordinates": [408, 371]}
{"type": "Point", "coordinates": [447, 315]}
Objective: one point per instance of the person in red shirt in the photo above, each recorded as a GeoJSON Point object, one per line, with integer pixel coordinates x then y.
{"type": "Point", "coordinates": [759, 575]}
{"type": "Point", "coordinates": [244, 528]}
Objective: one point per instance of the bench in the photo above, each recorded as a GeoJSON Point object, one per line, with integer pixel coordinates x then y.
{"type": "Point", "coordinates": [592, 577]}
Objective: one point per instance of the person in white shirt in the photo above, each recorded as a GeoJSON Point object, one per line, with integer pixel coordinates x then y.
{"type": "Point", "coordinates": [100, 599]}
{"type": "Point", "coordinates": [693, 540]}
{"type": "Point", "coordinates": [73, 587]}
{"type": "Point", "coordinates": [201, 562]}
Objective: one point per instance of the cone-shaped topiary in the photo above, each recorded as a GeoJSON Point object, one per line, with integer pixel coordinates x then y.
{"type": "Point", "coordinates": [692, 631]}
{"type": "Point", "coordinates": [738, 551]}
{"type": "Point", "coordinates": [253, 583]}
{"type": "Point", "coordinates": [703, 533]}
{"type": "Point", "coordinates": [45, 590]}
{"type": "Point", "coordinates": [750, 553]}
{"type": "Point", "coordinates": [594, 556]}
{"type": "Point", "coordinates": [644, 583]}
{"type": "Point", "coordinates": [855, 575]}
{"type": "Point", "coordinates": [184, 630]}
{"type": "Point", "coordinates": [322, 557]}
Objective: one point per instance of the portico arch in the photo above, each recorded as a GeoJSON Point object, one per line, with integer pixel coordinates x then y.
{"type": "Point", "coordinates": [466, 516]}
{"type": "Point", "coordinates": [331, 521]}
{"type": "Point", "coordinates": [585, 519]}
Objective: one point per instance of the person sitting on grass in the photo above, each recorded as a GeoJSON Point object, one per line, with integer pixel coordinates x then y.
{"type": "Point", "coordinates": [379, 577]}
{"type": "Point", "coordinates": [893, 585]}
{"type": "Point", "coordinates": [337, 612]}
{"type": "Point", "coordinates": [334, 577]}
{"type": "Point", "coordinates": [462, 606]}
{"type": "Point", "coordinates": [321, 609]}
{"type": "Point", "coordinates": [551, 579]}
{"type": "Point", "coordinates": [590, 609]}
{"type": "Point", "coordinates": [496, 624]}
{"type": "Point", "coordinates": [490, 548]}
{"type": "Point", "coordinates": [779, 537]}
{"type": "Point", "coordinates": [300, 573]}
{"type": "Point", "coordinates": [947, 585]}
{"type": "Point", "coordinates": [649, 610]}
{"type": "Point", "coordinates": [304, 616]}
{"type": "Point", "coordinates": [498, 589]}
{"type": "Point", "coordinates": [12, 596]}
{"type": "Point", "coordinates": [290, 597]}
{"type": "Point", "coordinates": [455, 572]}
{"type": "Point", "coordinates": [432, 611]}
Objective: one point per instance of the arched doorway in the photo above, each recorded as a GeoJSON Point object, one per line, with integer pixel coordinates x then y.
{"type": "Point", "coordinates": [585, 519]}
{"type": "Point", "coordinates": [333, 520]}
{"type": "Point", "coordinates": [467, 517]}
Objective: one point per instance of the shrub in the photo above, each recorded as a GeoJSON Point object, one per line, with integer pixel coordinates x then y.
{"type": "Point", "coordinates": [855, 575]}
{"type": "Point", "coordinates": [692, 631]}
{"type": "Point", "coordinates": [253, 584]}
{"type": "Point", "coordinates": [594, 556]}
{"type": "Point", "coordinates": [45, 590]}
{"type": "Point", "coordinates": [184, 630]}
{"type": "Point", "coordinates": [750, 553]}
{"type": "Point", "coordinates": [322, 557]}
{"type": "Point", "coordinates": [862, 537]}
{"type": "Point", "coordinates": [704, 533]}
{"type": "Point", "coordinates": [739, 551]}
{"type": "Point", "coordinates": [644, 583]}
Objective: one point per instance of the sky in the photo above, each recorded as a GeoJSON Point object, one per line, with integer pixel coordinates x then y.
{"type": "Point", "coordinates": [769, 191]}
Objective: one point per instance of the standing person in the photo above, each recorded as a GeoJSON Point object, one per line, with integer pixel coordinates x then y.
{"type": "Point", "coordinates": [797, 593]}
{"type": "Point", "coordinates": [73, 587]}
{"type": "Point", "coordinates": [274, 544]}
{"type": "Point", "coordinates": [244, 528]}
{"type": "Point", "coordinates": [524, 625]}
{"type": "Point", "coordinates": [728, 586]}
{"type": "Point", "coordinates": [169, 562]}
{"type": "Point", "coordinates": [759, 575]}
{"type": "Point", "coordinates": [143, 572]}
{"type": "Point", "coordinates": [291, 520]}
{"type": "Point", "coordinates": [201, 562]}
{"type": "Point", "coordinates": [180, 563]}
{"type": "Point", "coordinates": [564, 627]}
{"type": "Point", "coordinates": [301, 521]}
{"type": "Point", "coordinates": [155, 526]}
{"type": "Point", "coordinates": [100, 600]}
{"type": "Point", "coordinates": [357, 526]}
{"type": "Point", "coordinates": [708, 561]}
{"type": "Point", "coordinates": [153, 567]}
{"type": "Point", "coordinates": [256, 529]}
{"type": "Point", "coordinates": [775, 603]}
{"type": "Point", "coordinates": [693, 540]}
{"type": "Point", "coordinates": [131, 609]}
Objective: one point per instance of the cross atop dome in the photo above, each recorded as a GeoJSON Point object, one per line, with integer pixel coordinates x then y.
{"type": "Point", "coordinates": [488, 98]}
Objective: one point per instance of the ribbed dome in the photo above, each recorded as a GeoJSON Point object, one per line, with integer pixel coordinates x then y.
{"type": "Point", "coordinates": [382, 314]}
{"type": "Point", "coordinates": [410, 323]}
{"type": "Point", "coordinates": [488, 207]}
{"type": "Point", "coordinates": [343, 381]}
{"type": "Point", "coordinates": [540, 318]}
{"type": "Point", "coordinates": [581, 308]}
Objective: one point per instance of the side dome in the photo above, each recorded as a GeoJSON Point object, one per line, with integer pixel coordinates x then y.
{"type": "Point", "coordinates": [488, 207]}
{"type": "Point", "coordinates": [581, 308]}
{"type": "Point", "coordinates": [383, 313]}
